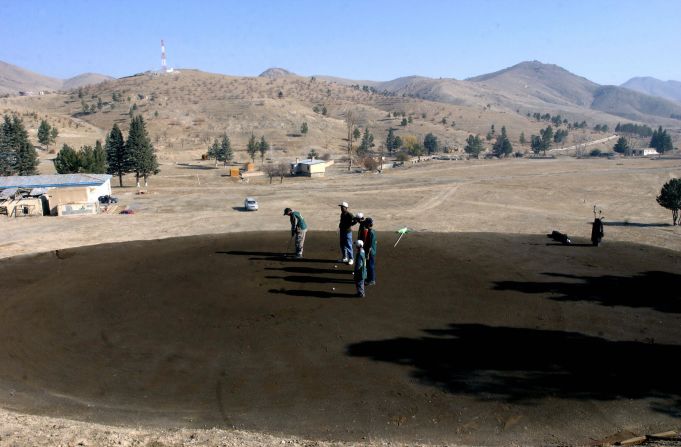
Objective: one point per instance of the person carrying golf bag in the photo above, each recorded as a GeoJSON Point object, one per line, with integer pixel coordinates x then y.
{"type": "Point", "coordinates": [298, 230]}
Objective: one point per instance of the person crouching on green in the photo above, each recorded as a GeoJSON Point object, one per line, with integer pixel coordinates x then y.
{"type": "Point", "coordinates": [360, 268]}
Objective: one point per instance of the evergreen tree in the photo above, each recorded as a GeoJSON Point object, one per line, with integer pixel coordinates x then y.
{"type": "Point", "coordinates": [367, 142]}
{"type": "Point", "coordinates": [356, 133]}
{"type": "Point", "coordinates": [99, 166]}
{"type": "Point", "coordinates": [86, 160]}
{"type": "Point", "coordinates": [117, 154]}
{"type": "Point", "coordinates": [404, 122]}
{"type": "Point", "coordinates": [8, 155]}
{"type": "Point", "coordinates": [304, 129]}
{"type": "Point", "coordinates": [546, 138]}
{"type": "Point", "coordinates": [44, 133]}
{"type": "Point", "coordinates": [142, 155]}
{"type": "Point", "coordinates": [263, 147]}
{"type": "Point", "coordinates": [661, 140]}
{"type": "Point", "coordinates": [397, 143]}
{"type": "Point", "coordinates": [473, 145]}
{"type": "Point", "coordinates": [54, 133]}
{"type": "Point", "coordinates": [536, 144]}
{"type": "Point", "coordinates": [225, 153]}
{"type": "Point", "coordinates": [24, 155]}
{"type": "Point", "coordinates": [502, 147]}
{"type": "Point", "coordinates": [213, 151]}
{"type": "Point", "coordinates": [670, 198]}
{"type": "Point", "coordinates": [390, 141]}
{"type": "Point", "coordinates": [252, 148]}
{"type": "Point", "coordinates": [430, 143]}
{"type": "Point", "coordinates": [522, 139]}
{"type": "Point", "coordinates": [622, 146]}
{"type": "Point", "coordinates": [67, 161]}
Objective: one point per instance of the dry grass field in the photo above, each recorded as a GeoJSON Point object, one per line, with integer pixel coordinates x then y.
{"type": "Point", "coordinates": [510, 196]}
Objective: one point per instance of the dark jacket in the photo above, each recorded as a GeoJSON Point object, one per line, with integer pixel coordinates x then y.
{"type": "Point", "coordinates": [371, 242]}
{"type": "Point", "coordinates": [347, 220]}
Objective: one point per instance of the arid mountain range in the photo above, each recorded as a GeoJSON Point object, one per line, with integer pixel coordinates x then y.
{"type": "Point", "coordinates": [187, 109]}
{"type": "Point", "coordinates": [15, 79]}
{"type": "Point", "coordinates": [650, 86]}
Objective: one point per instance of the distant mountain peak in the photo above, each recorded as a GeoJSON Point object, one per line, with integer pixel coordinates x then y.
{"type": "Point", "coordinates": [276, 72]}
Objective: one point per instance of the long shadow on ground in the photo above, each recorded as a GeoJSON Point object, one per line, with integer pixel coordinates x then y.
{"type": "Point", "coordinates": [655, 290]}
{"type": "Point", "coordinates": [524, 365]}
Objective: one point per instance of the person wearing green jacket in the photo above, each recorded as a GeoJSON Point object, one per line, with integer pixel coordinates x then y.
{"type": "Point", "coordinates": [298, 229]}
{"type": "Point", "coordinates": [360, 268]}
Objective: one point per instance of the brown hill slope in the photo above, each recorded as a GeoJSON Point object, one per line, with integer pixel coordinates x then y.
{"type": "Point", "coordinates": [15, 79]}
{"type": "Point", "coordinates": [650, 86]}
{"type": "Point", "coordinates": [186, 111]}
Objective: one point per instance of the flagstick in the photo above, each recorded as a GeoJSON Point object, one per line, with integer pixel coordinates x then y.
{"type": "Point", "coordinates": [398, 240]}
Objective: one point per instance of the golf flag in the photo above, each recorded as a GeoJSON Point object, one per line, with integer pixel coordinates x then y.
{"type": "Point", "coordinates": [401, 232]}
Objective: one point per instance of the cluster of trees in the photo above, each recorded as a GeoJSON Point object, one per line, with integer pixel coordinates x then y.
{"type": "Point", "coordinates": [366, 144]}
{"type": "Point", "coordinates": [320, 109]}
{"type": "Point", "coordinates": [255, 146]}
{"type": "Point", "coordinates": [87, 159]}
{"type": "Point", "coordinates": [577, 125]}
{"type": "Point", "coordinates": [661, 140]}
{"type": "Point", "coordinates": [17, 154]}
{"type": "Point", "coordinates": [136, 154]}
{"type": "Point", "coordinates": [560, 135]}
{"type": "Point", "coordinates": [601, 127]}
{"type": "Point", "coordinates": [221, 151]}
{"type": "Point", "coordinates": [473, 145]}
{"type": "Point", "coordinates": [622, 146]}
{"type": "Point", "coordinates": [542, 142]}
{"type": "Point", "coordinates": [47, 134]}
{"type": "Point", "coordinates": [392, 142]}
{"type": "Point", "coordinates": [635, 129]}
{"type": "Point", "coordinates": [557, 120]}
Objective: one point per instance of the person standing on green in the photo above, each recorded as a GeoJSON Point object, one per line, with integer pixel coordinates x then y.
{"type": "Point", "coordinates": [370, 243]}
{"type": "Point", "coordinates": [298, 229]}
{"type": "Point", "coordinates": [360, 274]}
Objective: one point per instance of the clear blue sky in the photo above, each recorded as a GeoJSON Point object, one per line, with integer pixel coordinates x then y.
{"type": "Point", "coordinates": [603, 40]}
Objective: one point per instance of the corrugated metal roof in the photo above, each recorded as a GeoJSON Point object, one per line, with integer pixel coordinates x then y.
{"type": "Point", "coordinates": [53, 181]}
{"type": "Point", "coordinates": [311, 162]}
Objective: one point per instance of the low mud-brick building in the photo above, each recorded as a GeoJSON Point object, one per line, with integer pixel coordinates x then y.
{"type": "Point", "coordinates": [59, 194]}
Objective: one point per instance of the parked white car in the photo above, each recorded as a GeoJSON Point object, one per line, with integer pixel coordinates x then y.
{"type": "Point", "coordinates": [250, 204]}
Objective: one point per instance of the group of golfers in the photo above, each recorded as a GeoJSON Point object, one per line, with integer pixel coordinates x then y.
{"type": "Point", "coordinates": [364, 256]}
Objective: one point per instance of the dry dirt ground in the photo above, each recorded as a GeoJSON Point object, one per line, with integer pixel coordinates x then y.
{"type": "Point", "coordinates": [545, 342]}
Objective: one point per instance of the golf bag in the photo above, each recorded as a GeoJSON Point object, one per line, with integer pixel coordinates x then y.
{"type": "Point", "coordinates": [596, 231]}
{"type": "Point", "coordinates": [559, 237]}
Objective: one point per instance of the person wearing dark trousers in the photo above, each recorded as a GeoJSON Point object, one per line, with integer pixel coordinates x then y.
{"type": "Point", "coordinates": [360, 274]}
{"type": "Point", "coordinates": [347, 220]}
{"type": "Point", "coordinates": [298, 230]}
{"type": "Point", "coordinates": [370, 243]}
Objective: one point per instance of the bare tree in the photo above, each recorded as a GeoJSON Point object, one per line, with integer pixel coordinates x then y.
{"type": "Point", "coordinates": [350, 121]}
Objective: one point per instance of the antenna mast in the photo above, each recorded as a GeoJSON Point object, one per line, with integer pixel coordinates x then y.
{"type": "Point", "coordinates": [164, 69]}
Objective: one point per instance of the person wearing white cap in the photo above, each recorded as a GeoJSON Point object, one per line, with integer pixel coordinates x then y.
{"type": "Point", "coordinates": [347, 220]}
{"type": "Point", "coordinates": [360, 269]}
{"type": "Point", "coordinates": [362, 231]}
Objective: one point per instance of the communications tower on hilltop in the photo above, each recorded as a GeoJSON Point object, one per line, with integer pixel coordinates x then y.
{"type": "Point", "coordinates": [164, 68]}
